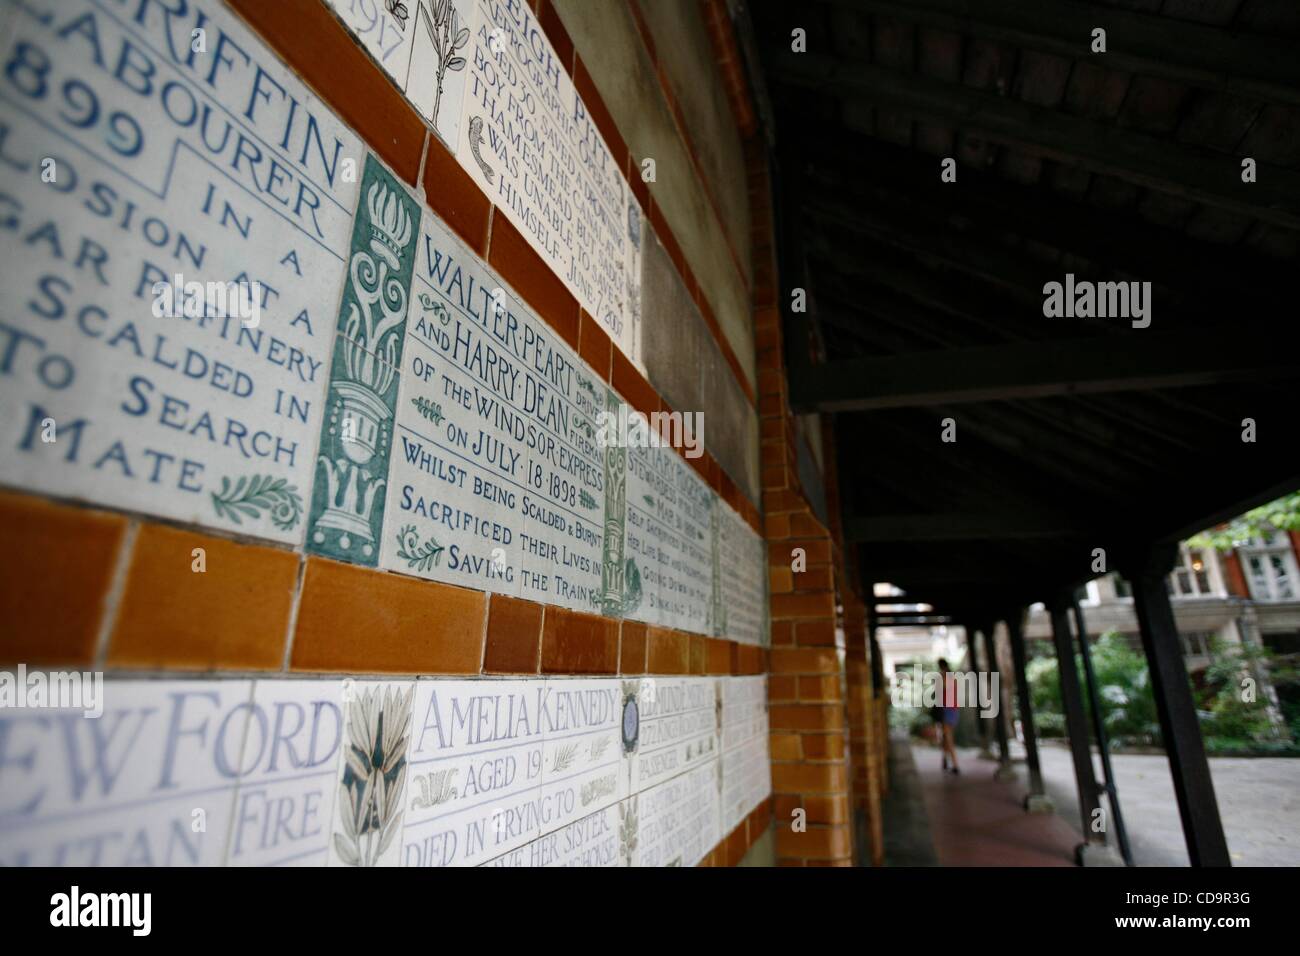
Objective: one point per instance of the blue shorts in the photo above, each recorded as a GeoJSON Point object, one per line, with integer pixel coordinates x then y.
{"type": "Point", "coordinates": [950, 716]}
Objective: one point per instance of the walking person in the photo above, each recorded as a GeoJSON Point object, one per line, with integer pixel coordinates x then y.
{"type": "Point", "coordinates": [948, 716]}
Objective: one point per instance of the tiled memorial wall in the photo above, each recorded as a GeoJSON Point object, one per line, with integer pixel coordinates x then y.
{"type": "Point", "coordinates": [484, 75]}
{"type": "Point", "coordinates": [583, 772]}
{"type": "Point", "coordinates": [393, 405]}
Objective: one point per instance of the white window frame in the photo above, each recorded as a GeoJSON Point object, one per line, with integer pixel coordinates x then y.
{"type": "Point", "coordinates": [1210, 566]}
{"type": "Point", "coordinates": [1267, 585]}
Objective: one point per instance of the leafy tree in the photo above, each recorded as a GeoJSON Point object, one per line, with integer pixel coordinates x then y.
{"type": "Point", "coordinates": [1280, 515]}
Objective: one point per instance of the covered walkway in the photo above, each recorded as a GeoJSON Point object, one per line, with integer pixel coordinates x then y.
{"type": "Point", "coordinates": [959, 186]}
{"type": "Point", "coordinates": [978, 821]}
{"type": "Point", "coordinates": [933, 818]}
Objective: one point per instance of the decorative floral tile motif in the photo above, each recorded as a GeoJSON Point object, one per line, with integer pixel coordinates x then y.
{"type": "Point", "coordinates": [422, 46]}
{"type": "Point", "coordinates": [371, 797]}
{"type": "Point", "coordinates": [171, 268]}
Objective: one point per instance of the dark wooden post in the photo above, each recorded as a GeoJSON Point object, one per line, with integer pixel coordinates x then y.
{"type": "Point", "coordinates": [1076, 725]}
{"type": "Point", "coordinates": [1099, 728]}
{"type": "Point", "coordinates": [1179, 727]}
{"type": "Point", "coordinates": [1004, 771]}
{"type": "Point", "coordinates": [1036, 801]}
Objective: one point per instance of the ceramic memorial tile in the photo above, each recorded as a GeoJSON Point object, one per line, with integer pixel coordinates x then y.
{"type": "Point", "coordinates": [476, 770]}
{"type": "Point", "coordinates": [351, 480]}
{"type": "Point", "coordinates": [678, 718]}
{"type": "Point", "coordinates": [497, 482]}
{"type": "Point", "coordinates": [372, 790]}
{"type": "Point", "coordinates": [151, 781]}
{"type": "Point", "coordinates": [594, 840]}
{"type": "Point", "coordinates": [176, 231]}
{"type": "Point", "coordinates": [745, 762]}
{"type": "Point", "coordinates": [646, 541]}
{"type": "Point", "coordinates": [421, 45]}
{"type": "Point", "coordinates": [740, 567]}
{"type": "Point", "coordinates": [621, 586]}
{"type": "Point", "coordinates": [585, 765]}
{"type": "Point", "coordinates": [288, 774]}
{"type": "Point", "coordinates": [687, 591]}
{"type": "Point", "coordinates": [678, 821]}
{"type": "Point", "coordinates": [528, 141]}
{"type": "Point", "coordinates": [669, 534]}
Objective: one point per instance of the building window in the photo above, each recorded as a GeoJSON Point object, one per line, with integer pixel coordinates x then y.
{"type": "Point", "coordinates": [1197, 643]}
{"type": "Point", "coordinates": [1191, 576]}
{"type": "Point", "coordinates": [1270, 567]}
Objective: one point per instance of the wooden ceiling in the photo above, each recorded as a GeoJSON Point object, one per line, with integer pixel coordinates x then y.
{"type": "Point", "coordinates": [926, 297]}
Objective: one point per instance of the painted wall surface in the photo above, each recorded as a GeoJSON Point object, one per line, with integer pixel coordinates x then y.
{"type": "Point", "coordinates": [587, 772]}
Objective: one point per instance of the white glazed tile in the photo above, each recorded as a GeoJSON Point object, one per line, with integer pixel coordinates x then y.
{"type": "Point", "coordinates": [151, 781]}
{"type": "Point", "coordinates": [475, 785]}
{"type": "Point", "coordinates": [406, 46]}
{"type": "Point", "coordinates": [679, 730]}
{"type": "Point", "coordinates": [289, 774]}
{"type": "Point", "coordinates": [495, 460]}
{"type": "Point", "coordinates": [742, 567]}
{"type": "Point", "coordinates": [155, 414]}
{"type": "Point", "coordinates": [647, 542]}
{"type": "Point", "coordinates": [553, 177]}
{"type": "Point", "coordinates": [584, 767]}
{"type": "Point", "coordinates": [688, 597]}
{"type": "Point", "coordinates": [678, 820]}
{"type": "Point", "coordinates": [593, 840]}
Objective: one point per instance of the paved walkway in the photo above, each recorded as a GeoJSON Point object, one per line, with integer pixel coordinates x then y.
{"type": "Point", "coordinates": [975, 821]}
{"type": "Point", "coordinates": [1258, 797]}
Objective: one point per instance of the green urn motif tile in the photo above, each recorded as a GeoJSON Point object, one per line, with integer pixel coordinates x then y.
{"type": "Point", "coordinates": [347, 508]}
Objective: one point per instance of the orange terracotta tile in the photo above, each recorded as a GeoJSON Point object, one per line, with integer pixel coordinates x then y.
{"type": "Point", "coordinates": [514, 636]}
{"type": "Point", "coordinates": [632, 385]}
{"type": "Point", "coordinates": [56, 566]}
{"type": "Point", "coordinates": [719, 656]}
{"type": "Point", "coordinates": [234, 615]}
{"type": "Point", "coordinates": [699, 655]}
{"type": "Point", "coordinates": [594, 345]}
{"type": "Point", "coordinates": [669, 652]}
{"type": "Point", "coordinates": [815, 843]}
{"type": "Point", "coordinates": [632, 648]}
{"type": "Point", "coordinates": [356, 620]}
{"type": "Point", "coordinates": [452, 193]}
{"type": "Point", "coordinates": [578, 643]}
{"type": "Point", "coordinates": [516, 261]}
